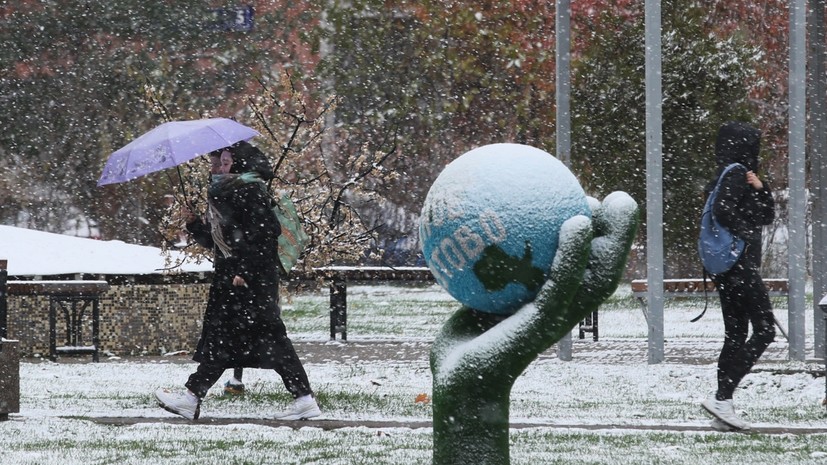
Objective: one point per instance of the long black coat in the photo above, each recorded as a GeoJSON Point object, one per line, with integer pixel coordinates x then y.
{"type": "Point", "coordinates": [241, 324]}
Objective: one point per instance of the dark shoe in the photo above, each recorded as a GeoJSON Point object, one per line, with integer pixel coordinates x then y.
{"type": "Point", "coordinates": [233, 389]}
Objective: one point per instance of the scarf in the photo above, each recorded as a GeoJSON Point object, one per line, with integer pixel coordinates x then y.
{"type": "Point", "coordinates": [221, 186]}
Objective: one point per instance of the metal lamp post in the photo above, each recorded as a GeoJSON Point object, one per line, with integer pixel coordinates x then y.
{"type": "Point", "coordinates": [823, 306]}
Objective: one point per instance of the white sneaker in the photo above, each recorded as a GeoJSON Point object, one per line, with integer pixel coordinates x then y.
{"type": "Point", "coordinates": [185, 404]}
{"type": "Point", "coordinates": [723, 411]}
{"type": "Point", "coordinates": [718, 425]}
{"type": "Point", "coordinates": [302, 408]}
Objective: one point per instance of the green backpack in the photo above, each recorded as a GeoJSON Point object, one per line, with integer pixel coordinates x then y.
{"type": "Point", "coordinates": [293, 240]}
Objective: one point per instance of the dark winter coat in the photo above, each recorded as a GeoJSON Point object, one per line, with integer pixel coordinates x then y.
{"type": "Point", "coordinates": [241, 323]}
{"type": "Point", "coordinates": [739, 207]}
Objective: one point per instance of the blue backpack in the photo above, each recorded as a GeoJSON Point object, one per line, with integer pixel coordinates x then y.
{"type": "Point", "coordinates": [718, 248]}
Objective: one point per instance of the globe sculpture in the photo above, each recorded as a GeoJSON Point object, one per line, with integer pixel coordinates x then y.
{"type": "Point", "coordinates": [490, 224]}
{"type": "Point", "coordinates": [507, 231]}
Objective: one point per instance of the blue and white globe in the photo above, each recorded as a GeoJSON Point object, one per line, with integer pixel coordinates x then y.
{"type": "Point", "coordinates": [490, 224]}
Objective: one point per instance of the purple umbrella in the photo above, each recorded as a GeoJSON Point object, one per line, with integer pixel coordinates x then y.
{"type": "Point", "coordinates": [172, 144]}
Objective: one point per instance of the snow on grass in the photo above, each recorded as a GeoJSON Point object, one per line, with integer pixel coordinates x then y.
{"type": "Point", "coordinates": [594, 409]}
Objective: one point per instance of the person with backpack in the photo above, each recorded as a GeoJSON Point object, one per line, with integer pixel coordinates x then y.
{"type": "Point", "coordinates": [743, 205]}
{"type": "Point", "coordinates": [242, 326]}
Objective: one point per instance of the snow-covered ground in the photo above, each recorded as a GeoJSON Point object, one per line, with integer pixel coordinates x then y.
{"type": "Point", "coordinates": [602, 407]}
{"type": "Point", "coordinates": [606, 406]}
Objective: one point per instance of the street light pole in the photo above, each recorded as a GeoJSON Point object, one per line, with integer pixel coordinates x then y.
{"type": "Point", "coordinates": [654, 182]}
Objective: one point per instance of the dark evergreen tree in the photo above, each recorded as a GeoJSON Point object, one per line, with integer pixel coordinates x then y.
{"type": "Point", "coordinates": [704, 84]}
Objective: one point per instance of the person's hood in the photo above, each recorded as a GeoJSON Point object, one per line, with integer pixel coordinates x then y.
{"type": "Point", "coordinates": [248, 158]}
{"type": "Point", "coordinates": [738, 142]}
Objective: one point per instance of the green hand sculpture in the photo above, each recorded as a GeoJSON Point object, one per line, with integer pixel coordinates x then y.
{"type": "Point", "coordinates": [477, 356]}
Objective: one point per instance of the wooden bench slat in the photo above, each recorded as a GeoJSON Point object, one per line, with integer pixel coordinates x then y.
{"type": "Point", "coordinates": [366, 273]}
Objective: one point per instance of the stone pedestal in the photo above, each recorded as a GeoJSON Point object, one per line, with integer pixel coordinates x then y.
{"type": "Point", "coordinates": [9, 378]}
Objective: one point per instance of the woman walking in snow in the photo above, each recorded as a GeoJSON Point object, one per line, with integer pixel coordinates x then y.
{"type": "Point", "coordinates": [744, 204]}
{"type": "Point", "coordinates": [242, 324]}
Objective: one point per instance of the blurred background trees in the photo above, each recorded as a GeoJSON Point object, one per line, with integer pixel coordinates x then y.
{"type": "Point", "coordinates": [415, 85]}
{"type": "Point", "coordinates": [73, 80]}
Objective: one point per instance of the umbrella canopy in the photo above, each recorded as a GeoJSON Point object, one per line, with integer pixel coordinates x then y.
{"type": "Point", "coordinates": [172, 144]}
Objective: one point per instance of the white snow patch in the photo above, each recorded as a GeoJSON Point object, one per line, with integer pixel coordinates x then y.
{"type": "Point", "coordinates": [38, 253]}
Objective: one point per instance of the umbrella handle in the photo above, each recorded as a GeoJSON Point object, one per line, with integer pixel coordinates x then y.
{"type": "Point", "coordinates": [183, 189]}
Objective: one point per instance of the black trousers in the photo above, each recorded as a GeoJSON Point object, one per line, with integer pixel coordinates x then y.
{"type": "Point", "coordinates": [744, 301]}
{"type": "Point", "coordinates": [288, 366]}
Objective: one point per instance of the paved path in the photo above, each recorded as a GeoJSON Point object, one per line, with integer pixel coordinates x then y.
{"type": "Point", "coordinates": [373, 424]}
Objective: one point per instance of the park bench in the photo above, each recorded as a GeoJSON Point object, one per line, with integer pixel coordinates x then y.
{"type": "Point", "coordinates": [694, 287]}
{"type": "Point", "coordinates": [677, 288]}
{"type": "Point", "coordinates": [589, 325]}
{"type": "Point", "coordinates": [72, 299]}
{"type": "Point", "coordinates": [338, 277]}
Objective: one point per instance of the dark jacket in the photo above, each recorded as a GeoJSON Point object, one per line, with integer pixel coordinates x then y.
{"type": "Point", "coordinates": [739, 207]}
{"type": "Point", "coordinates": [241, 323]}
